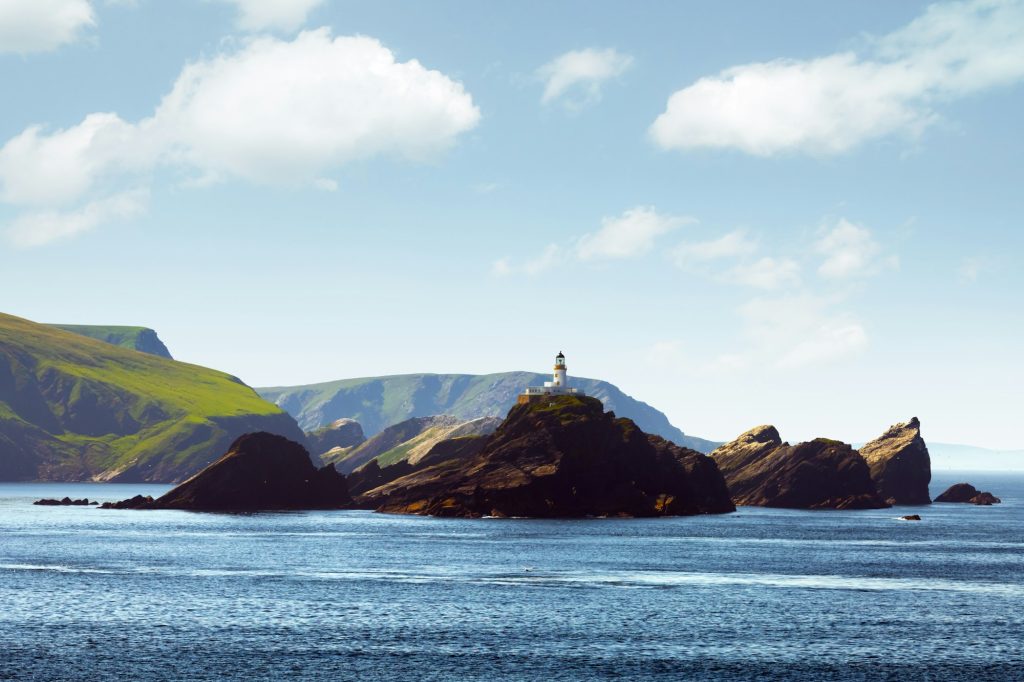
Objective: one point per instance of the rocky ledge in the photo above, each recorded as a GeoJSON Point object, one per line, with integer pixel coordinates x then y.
{"type": "Point", "coordinates": [261, 471]}
{"type": "Point", "coordinates": [64, 502]}
{"type": "Point", "coordinates": [762, 470]}
{"type": "Point", "coordinates": [563, 457]}
{"type": "Point", "coordinates": [966, 493]}
{"type": "Point", "coordinates": [900, 465]}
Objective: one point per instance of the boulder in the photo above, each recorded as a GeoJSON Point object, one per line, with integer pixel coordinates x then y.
{"type": "Point", "coordinates": [761, 470]}
{"type": "Point", "coordinates": [911, 517]}
{"type": "Point", "coordinates": [261, 471]}
{"type": "Point", "coordinates": [562, 457]}
{"type": "Point", "coordinates": [900, 465]}
{"type": "Point", "coordinates": [965, 493]}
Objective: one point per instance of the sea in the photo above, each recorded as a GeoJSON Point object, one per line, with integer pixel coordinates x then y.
{"type": "Point", "coordinates": [762, 594]}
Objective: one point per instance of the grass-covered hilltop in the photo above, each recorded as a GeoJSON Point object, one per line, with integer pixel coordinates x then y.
{"type": "Point", "coordinates": [379, 402]}
{"type": "Point", "coordinates": [78, 408]}
{"type": "Point", "coordinates": [141, 339]}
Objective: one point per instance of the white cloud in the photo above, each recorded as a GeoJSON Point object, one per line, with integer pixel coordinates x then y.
{"type": "Point", "coordinates": [831, 104]}
{"type": "Point", "coordinates": [36, 228]}
{"type": "Point", "coordinates": [285, 111]}
{"type": "Point", "coordinates": [765, 273]}
{"type": "Point", "coordinates": [283, 15]}
{"type": "Point", "coordinates": [732, 245]}
{"type": "Point", "coordinates": [548, 258]}
{"type": "Point", "coordinates": [849, 251]}
{"type": "Point", "coordinates": [42, 25]}
{"type": "Point", "coordinates": [577, 77]}
{"type": "Point", "coordinates": [274, 111]}
{"type": "Point", "coordinates": [631, 234]}
{"type": "Point", "coordinates": [797, 331]}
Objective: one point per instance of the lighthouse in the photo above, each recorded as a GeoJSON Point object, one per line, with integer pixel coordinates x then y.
{"type": "Point", "coordinates": [559, 384]}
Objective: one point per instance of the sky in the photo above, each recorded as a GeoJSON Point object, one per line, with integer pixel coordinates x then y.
{"type": "Point", "coordinates": [798, 213]}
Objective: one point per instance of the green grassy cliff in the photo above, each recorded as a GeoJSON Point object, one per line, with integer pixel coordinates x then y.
{"type": "Point", "coordinates": [141, 339]}
{"type": "Point", "coordinates": [379, 402]}
{"type": "Point", "coordinates": [77, 408]}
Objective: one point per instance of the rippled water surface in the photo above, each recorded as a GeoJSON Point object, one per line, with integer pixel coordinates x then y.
{"type": "Point", "coordinates": [760, 594]}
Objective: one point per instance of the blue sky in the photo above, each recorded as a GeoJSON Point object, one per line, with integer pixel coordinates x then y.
{"type": "Point", "coordinates": [805, 214]}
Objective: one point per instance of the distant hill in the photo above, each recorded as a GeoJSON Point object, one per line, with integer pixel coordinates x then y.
{"type": "Point", "coordinates": [379, 402]}
{"type": "Point", "coordinates": [75, 408]}
{"type": "Point", "coordinates": [141, 339]}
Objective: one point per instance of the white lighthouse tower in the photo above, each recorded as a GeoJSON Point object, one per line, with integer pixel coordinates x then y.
{"type": "Point", "coordinates": [559, 384]}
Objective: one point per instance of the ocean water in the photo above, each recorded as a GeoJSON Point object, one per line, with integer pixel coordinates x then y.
{"type": "Point", "coordinates": [88, 594]}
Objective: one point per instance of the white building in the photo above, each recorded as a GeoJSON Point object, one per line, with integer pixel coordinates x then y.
{"type": "Point", "coordinates": [559, 384]}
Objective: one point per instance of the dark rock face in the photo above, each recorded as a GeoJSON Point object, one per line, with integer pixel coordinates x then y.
{"type": "Point", "coordinates": [137, 502]}
{"type": "Point", "coordinates": [966, 493]}
{"type": "Point", "coordinates": [911, 517]}
{"type": "Point", "coordinates": [565, 457]}
{"type": "Point", "coordinates": [261, 471]}
{"type": "Point", "coordinates": [763, 471]}
{"type": "Point", "coordinates": [63, 502]}
{"type": "Point", "coordinates": [899, 464]}
{"type": "Point", "coordinates": [341, 433]}
{"type": "Point", "coordinates": [371, 475]}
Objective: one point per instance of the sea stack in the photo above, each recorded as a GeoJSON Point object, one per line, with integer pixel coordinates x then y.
{"type": "Point", "coordinates": [899, 464]}
{"type": "Point", "coordinates": [763, 471]}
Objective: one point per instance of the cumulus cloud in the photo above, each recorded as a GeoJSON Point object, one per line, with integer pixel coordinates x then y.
{"type": "Point", "coordinates": [631, 234]}
{"type": "Point", "coordinates": [849, 251]}
{"type": "Point", "coordinates": [272, 112]}
{"type": "Point", "coordinates": [577, 77]}
{"type": "Point", "coordinates": [42, 25]}
{"type": "Point", "coordinates": [283, 15]}
{"type": "Point", "coordinates": [833, 103]}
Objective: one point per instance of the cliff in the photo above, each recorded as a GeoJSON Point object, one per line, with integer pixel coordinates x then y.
{"type": "Point", "coordinates": [73, 408]}
{"type": "Point", "coordinates": [900, 465]}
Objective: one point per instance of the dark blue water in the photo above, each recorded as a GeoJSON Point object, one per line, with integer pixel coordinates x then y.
{"type": "Point", "coordinates": [761, 594]}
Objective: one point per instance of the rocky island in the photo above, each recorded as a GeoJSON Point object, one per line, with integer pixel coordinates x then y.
{"type": "Point", "coordinates": [563, 456]}
{"type": "Point", "coordinates": [900, 465]}
{"type": "Point", "coordinates": [260, 472]}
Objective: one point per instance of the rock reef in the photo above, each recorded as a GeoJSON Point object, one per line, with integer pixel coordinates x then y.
{"type": "Point", "coordinates": [565, 457]}
{"type": "Point", "coordinates": [965, 493]}
{"type": "Point", "coordinates": [63, 502]}
{"type": "Point", "coordinates": [762, 470]}
{"type": "Point", "coordinates": [900, 465]}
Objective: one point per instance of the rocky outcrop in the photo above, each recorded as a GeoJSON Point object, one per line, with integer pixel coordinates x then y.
{"type": "Point", "coordinates": [261, 471]}
{"type": "Point", "coordinates": [899, 464]}
{"type": "Point", "coordinates": [136, 502]}
{"type": "Point", "coordinates": [341, 434]}
{"type": "Point", "coordinates": [761, 470]}
{"type": "Point", "coordinates": [63, 502]}
{"type": "Point", "coordinates": [371, 475]}
{"type": "Point", "coordinates": [565, 457]}
{"type": "Point", "coordinates": [965, 493]}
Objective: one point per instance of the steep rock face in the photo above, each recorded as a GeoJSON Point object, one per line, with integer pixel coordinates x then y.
{"type": "Point", "coordinates": [900, 465]}
{"type": "Point", "coordinates": [379, 402]}
{"type": "Point", "coordinates": [372, 475]}
{"type": "Point", "coordinates": [965, 493]}
{"type": "Point", "coordinates": [763, 471]}
{"type": "Point", "coordinates": [409, 440]}
{"type": "Point", "coordinates": [565, 457]}
{"type": "Point", "coordinates": [261, 471]}
{"type": "Point", "coordinates": [142, 339]}
{"type": "Point", "coordinates": [74, 408]}
{"type": "Point", "coordinates": [341, 433]}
